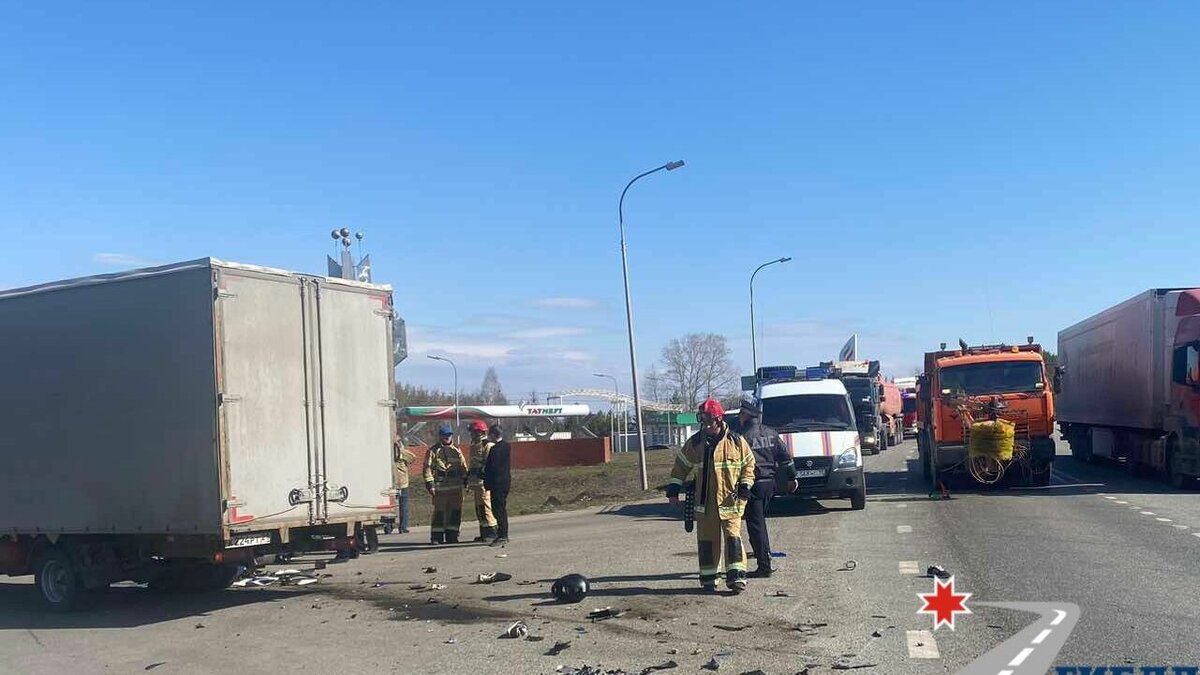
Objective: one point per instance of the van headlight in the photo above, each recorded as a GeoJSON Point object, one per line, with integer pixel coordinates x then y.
{"type": "Point", "coordinates": [847, 460]}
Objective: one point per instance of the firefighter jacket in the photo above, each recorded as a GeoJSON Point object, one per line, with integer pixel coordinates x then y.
{"type": "Point", "coordinates": [445, 467]}
{"type": "Point", "coordinates": [400, 467]}
{"type": "Point", "coordinates": [479, 454]}
{"type": "Point", "coordinates": [719, 465]}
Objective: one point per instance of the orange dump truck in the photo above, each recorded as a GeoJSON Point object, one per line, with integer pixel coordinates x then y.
{"type": "Point", "coordinates": [986, 388]}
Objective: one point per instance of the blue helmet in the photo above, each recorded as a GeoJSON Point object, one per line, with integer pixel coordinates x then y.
{"type": "Point", "coordinates": [445, 430]}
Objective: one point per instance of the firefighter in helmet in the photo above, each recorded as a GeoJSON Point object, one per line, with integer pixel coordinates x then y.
{"type": "Point", "coordinates": [445, 477]}
{"type": "Point", "coordinates": [720, 465]}
{"type": "Point", "coordinates": [480, 446]}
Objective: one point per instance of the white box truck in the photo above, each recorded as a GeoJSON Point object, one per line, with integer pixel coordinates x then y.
{"type": "Point", "coordinates": [1128, 384]}
{"type": "Point", "coordinates": [165, 425]}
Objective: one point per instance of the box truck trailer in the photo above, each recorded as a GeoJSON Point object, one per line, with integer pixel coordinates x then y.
{"type": "Point", "coordinates": [166, 425]}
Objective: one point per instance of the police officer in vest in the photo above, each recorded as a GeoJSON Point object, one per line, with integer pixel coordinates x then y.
{"type": "Point", "coordinates": [771, 456]}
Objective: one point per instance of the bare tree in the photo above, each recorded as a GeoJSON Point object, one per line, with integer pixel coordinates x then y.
{"type": "Point", "coordinates": [698, 366]}
{"type": "Point", "coordinates": [656, 388]}
{"type": "Point", "coordinates": [490, 392]}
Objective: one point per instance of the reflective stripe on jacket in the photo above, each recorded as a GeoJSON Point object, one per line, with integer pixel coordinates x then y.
{"type": "Point", "coordinates": [445, 467]}
{"type": "Point", "coordinates": [730, 463]}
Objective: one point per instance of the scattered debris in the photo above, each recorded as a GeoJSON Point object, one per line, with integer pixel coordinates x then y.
{"type": "Point", "coordinates": [353, 616]}
{"type": "Point", "coordinates": [855, 666]}
{"type": "Point", "coordinates": [878, 616]}
{"type": "Point", "coordinates": [376, 585]}
{"type": "Point", "coordinates": [284, 573]}
{"type": "Point", "coordinates": [754, 672]}
{"type": "Point", "coordinates": [777, 594]}
{"type": "Point", "coordinates": [995, 626]}
{"type": "Point", "coordinates": [502, 555]}
{"type": "Point", "coordinates": [876, 634]}
{"type": "Point", "coordinates": [437, 587]}
{"type": "Point", "coordinates": [732, 629]}
{"type": "Point", "coordinates": [451, 641]}
{"type": "Point", "coordinates": [199, 626]}
{"type": "Point", "coordinates": [526, 583]}
{"type": "Point", "coordinates": [493, 578]}
{"type": "Point", "coordinates": [558, 648]}
{"type": "Point", "coordinates": [937, 571]}
{"type": "Point", "coordinates": [848, 566]}
{"type": "Point", "coordinates": [516, 631]}
{"type": "Point", "coordinates": [152, 666]}
{"type": "Point", "coordinates": [778, 554]}
{"type": "Point", "coordinates": [432, 601]}
{"type": "Point", "coordinates": [668, 665]}
{"type": "Point", "coordinates": [696, 652]}
{"type": "Point", "coordinates": [535, 638]}
{"type": "Point", "coordinates": [810, 626]}
{"type": "Point", "coordinates": [428, 570]}
{"type": "Point", "coordinates": [673, 652]}
{"type": "Point", "coordinates": [605, 613]}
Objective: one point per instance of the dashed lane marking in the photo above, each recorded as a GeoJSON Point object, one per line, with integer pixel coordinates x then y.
{"type": "Point", "coordinates": [1110, 497]}
{"type": "Point", "coordinates": [1180, 527]}
{"type": "Point", "coordinates": [1121, 503]}
{"type": "Point", "coordinates": [921, 645]}
{"type": "Point", "coordinates": [1060, 615]}
{"type": "Point", "coordinates": [903, 529]}
{"type": "Point", "coordinates": [1149, 513]}
{"type": "Point", "coordinates": [1020, 658]}
{"type": "Point", "coordinates": [1163, 520]}
{"type": "Point", "coordinates": [1042, 636]}
{"type": "Point", "coordinates": [902, 506]}
{"type": "Point", "coordinates": [909, 567]}
{"type": "Point", "coordinates": [1196, 534]}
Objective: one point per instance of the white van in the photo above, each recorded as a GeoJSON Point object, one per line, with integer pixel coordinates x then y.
{"type": "Point", "coordinates": [816, 421]}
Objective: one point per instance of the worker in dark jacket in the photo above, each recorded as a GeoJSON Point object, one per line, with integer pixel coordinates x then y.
{"type": "Point", "coordinates": [771, 456]}
{"type": "Point", "coordinates": [497, 479]}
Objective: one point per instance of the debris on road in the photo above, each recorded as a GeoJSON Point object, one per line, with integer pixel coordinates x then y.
{"type": "Point", "coordinates": [878, 616]}
{"type": "Point", "coordinates": [152, 666]}
{"type": "Point", "coordinates": [937, 571]}
{"type": "Point", "coordinates": [502, 555]}
{"type": "Point", "coordinates": [876, 634]}
{"type": "Point", "coordinates": [778, 554]}
{"type": "Point", "coordinates": [516, 631]}
{"type": "Point", "coordinates": [732, 629]}
{"type": "Point", "coordinates": [848, 566]}
{"type": "Point", "coordinates": [437, 587]}
{"type": "Point", "coordinates": [428, 570]}
{"type": "Point", "coordinates": [493, 577]}
{"type": "Point", "coordinates": [199, 626]}
{"type": "Point", "coordinates": [777, 594]}
{"type": "Point", "coordinates": [856, 666]}
{"type": "Point", "coordinates": [451, 641]}
{"type": "Point", "coordinates": [558, 648]}
{"type": "Point", "coordinates": [604, 613]}
{"type": "Point", "coordinates": [754, 672]}
{"type": "Point", "coordinates": [535, 638]}
{"type": "Point", "coordinates": [808, 627]}
{"type": "Point", "coordinates": [668, 665]}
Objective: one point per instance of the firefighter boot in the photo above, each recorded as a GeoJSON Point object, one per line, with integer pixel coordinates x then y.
{"type": "Point", "coordinates": [486, 533]}
{"type": "Point", "coordinates": [735, 580]}
{"type": "Point", "coordinates": [437, 538]}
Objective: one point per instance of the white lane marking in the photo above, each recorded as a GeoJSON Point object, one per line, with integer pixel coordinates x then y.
{"type": "Point", "coordinates": [1042, 636]}
{"type": "Point", "coordinates": [1005, 672]}
{"type": "Point", "coordinates": [921, 645]}
{"type": "Point", "coordinates": [1163, 520]}
{"type": "Point", "coordinates": [1121, 503]}
{"type": "Point", "coordinates": [1110, 497]}
{"type": "Point", "coordinates": [1058, 619]}
{"type": "Point", "coordinates": [1135, 508]}
{"type": "Point", "coordinates": [1180, 527]}
{"type": "Point", "coordinates": [909, 567]}
{"type": "Point", "coordinates": [1020, 658]}
{"type": "Point", "coordinates": [903, 529]}
{"type": "Point", "coordinates": [902, 506]}
{"type": "Point", "coordinates": [1196, 534]}
{"type": "Point", "coordinates": [1149, 513]}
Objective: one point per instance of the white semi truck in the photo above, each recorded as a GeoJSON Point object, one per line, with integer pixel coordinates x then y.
{"type": "Point", "coordinates": [166, 425]}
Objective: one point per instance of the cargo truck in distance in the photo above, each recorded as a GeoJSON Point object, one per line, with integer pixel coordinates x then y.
{"type": "Point", "coordinates": [1128, 384]}
{"type": "Point", "coordinates": [975, 384]}
{"type": "Point", "coordinates": [167, 425]}
{"type": "Point", "coordinates": [876, 403]}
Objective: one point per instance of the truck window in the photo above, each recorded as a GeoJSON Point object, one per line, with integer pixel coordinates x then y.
{"type": "Point", "coordinates": [859, 388]}
{"type": "Point", "coordinates": [997, 377]}
{"type": "Point", "coordinates": [909, 406]}
{"type": "Point", "coordinates": [807, 412]}
{"type": "Point", "coordinates": [1187, 365]}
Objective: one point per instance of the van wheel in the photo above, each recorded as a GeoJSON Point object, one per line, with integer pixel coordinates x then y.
{"type": "Point", "coordinates": [858, 500]}
{"type": "Point", "coordinates": [57, 580]}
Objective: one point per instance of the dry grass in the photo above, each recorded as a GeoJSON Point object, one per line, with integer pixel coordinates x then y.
{"type": "Point", "coordinates": [568, 487]}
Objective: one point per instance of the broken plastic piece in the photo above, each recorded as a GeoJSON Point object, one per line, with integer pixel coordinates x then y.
{"type": "Point", "coordinates": [517, 630]}
{"type": "Point", "coordinates": [605, 613]}
{"type": "Point", "coordinates": [493, 577]}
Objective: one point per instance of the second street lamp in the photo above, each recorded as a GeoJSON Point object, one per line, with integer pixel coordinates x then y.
{"type": "Point", "coordinates": [637, 400]}
{"type": "Point", "coordinates": [456, 420]}
{"type": "Point", "coordinates": [612, 423]}
{"type": "Point", "coordinates": [753, 346]}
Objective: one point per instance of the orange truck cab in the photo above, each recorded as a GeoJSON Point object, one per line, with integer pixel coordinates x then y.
{"type": "Point", "coordinates": [969, 384]}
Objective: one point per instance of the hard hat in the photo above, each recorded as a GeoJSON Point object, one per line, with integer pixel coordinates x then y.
{"type": "Point", "coordinates": [445, 430]}
{"type": "Point", "coordinates": [479, 425]}
{"type": "Point", "coordinates": [570, 588]}
{"type": "Point", "coordinates": [711, 407]}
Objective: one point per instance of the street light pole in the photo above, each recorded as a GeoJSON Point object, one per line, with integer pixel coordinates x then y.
{"type": "Point", "coordinates": [612, 418]}
{"type": "Point", "coordinates": [637, 400]}
{"type": "Point", "coordinates": [455, 368]}
{"type": "Point", "coordinates": [753, 346]}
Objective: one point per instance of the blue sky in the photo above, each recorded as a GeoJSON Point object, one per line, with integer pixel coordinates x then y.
{"type": "Point", "coordinates": [937, 170]}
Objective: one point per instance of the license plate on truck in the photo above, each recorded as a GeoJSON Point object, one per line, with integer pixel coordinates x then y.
{"type": "Point", "coordinates": [250, 540]}
{"type": "Point", "coordinates": [810, 473]}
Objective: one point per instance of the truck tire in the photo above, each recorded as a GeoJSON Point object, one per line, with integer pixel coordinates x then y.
{"type": "Point", "coordinates": [57, 580]}
{"type": "Point", "coordinates": [1039, 476]}
{"type": "Point", "coordinates": [858, 500]}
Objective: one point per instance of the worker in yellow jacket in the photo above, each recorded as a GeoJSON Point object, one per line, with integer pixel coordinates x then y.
{"type": "Point", "coordinates": [720, 465]}
{"type": "Point", "coordinates": [480, 446]}
{"type": "Point", "coordinates": [400, 479]}
{"type": "Point", "coordinates": [445, 477]}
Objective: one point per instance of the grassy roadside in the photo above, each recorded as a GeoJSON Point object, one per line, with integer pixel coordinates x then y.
{"type": "Point", "coordinates": [566, 488]}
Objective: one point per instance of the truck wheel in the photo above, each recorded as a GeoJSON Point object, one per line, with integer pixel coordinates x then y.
{"type": "Point", "coordinates": [858, 500]}
{"type": "Point", "coordinates": [1039, 476]}
{"type": "Point", "coordinates": [57, 580]}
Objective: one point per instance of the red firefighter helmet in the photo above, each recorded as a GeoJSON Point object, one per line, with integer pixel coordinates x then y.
{"type": "Point", "coordinates": [712, 407]}
{"type": "Point", "coordinates": [479, 426]}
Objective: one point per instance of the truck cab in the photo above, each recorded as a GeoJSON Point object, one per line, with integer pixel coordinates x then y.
{"type": "Point", "coordinates": [817, 423]}
{"type": "Point", "coordinates": [958, 385]}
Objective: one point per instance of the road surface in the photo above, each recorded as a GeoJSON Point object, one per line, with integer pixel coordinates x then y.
{"type": "Point", "coordinates": [1120, 556]}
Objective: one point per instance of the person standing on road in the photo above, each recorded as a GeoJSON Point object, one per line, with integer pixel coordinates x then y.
{"type": "Point", "coordinates": [445, 477]}
{"type": "Point", "coordinates": [770, 456]}
{"type": "Point", "coordinates": [721, 464]}
{"type": "Point", "coordinates": [480, 446]}
{"type": "Point", "coordinates": [400, 478]}
{"type": "Point", "coordinates": [497, 478]}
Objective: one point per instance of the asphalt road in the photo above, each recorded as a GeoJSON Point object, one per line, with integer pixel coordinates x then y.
{"type": "Point", "coordinates": [1118, 555]}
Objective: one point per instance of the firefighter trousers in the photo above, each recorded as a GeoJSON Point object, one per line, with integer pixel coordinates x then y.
{"type": "Point", "coordinates": [447, 515]}
{"type": "Point", "coordinates": [720, 548]}
{"type": "Point", "coordinates": [483, 508]}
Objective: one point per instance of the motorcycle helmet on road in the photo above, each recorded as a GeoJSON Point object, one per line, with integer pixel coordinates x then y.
{"type": "Point", "coordinates": [570, 588]}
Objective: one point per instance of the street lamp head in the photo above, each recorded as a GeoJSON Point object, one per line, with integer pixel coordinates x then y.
{"type": "Point", "coordinates": [671, 166]}
{"type": "Point", "coordinates": [783, 260]}
{"type": "Point", "coordinates": [435, 358]}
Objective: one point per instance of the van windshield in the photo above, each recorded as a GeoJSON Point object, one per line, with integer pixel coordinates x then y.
{"type": "Point", "coordinates": [807, 412]}
{"type": "Point", "coordinates": [998, 377]}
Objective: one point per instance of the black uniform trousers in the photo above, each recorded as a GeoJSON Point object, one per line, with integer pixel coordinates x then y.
{"type": "Point", "coordinates": [756, 521]}
{"type": "Point", "coordinates": [500, 511]}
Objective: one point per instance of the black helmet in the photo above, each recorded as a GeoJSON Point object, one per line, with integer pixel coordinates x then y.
{"type": "Point", "coordinates": [571, 588]}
